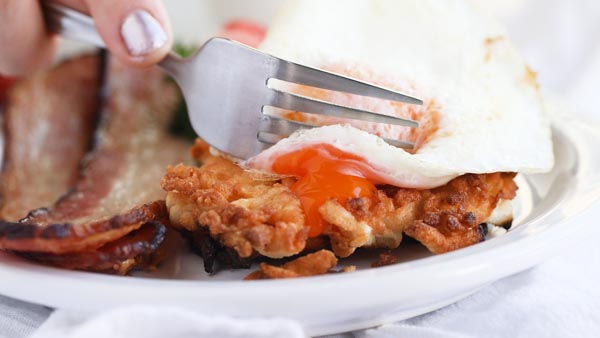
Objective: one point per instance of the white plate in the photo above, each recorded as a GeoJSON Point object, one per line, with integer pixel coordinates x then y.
{"type": "Point", "coordinates": [548, 206]}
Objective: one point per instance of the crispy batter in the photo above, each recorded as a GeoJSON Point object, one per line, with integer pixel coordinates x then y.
{"type": "Point", "coordinates": [242, 212]}
{"type": "Point", "coordinates": [200, 151]}
{"type": "Point", "coordinates": [246, 213]}
{"type": "Point", "coordinates": [217, 257]}
{"type": "Point", "coordinates": [443, 219]}
{"type": "Point", "coordinates": [349, 268]}
{"type": "Point", "coordinates": [451, 215]}
{"type": "Point", "coordinates": [346, 233]}
{"type": "Point", "coordinates": [375, 222]}
{"type": "Point", "coordinates": [317, 263]}
{"type": "Point", "coordinates": [385, 258]}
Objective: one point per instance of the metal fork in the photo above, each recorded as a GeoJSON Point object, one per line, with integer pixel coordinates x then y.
{"type": "Point", "coordinates": [226, 89]}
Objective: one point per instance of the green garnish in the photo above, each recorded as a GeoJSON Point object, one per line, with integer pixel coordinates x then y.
{"type": "Point", "coordinates": [180, 123]}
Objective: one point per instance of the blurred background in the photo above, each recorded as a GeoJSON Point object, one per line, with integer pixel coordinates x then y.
{"type": "Point", "coordinates": [560, 41]}
{"type": "Point", "coordinates": [558, 38]}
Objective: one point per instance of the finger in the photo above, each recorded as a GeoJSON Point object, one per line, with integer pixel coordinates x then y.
{"type": "Point", "coordinates": [26, 46]}
{"type": "Point", "coordinates": [78, 5]}
{"type": "Point", "coordinates": [137, 31]}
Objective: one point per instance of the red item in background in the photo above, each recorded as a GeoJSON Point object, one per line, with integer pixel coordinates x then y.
{"type": "Point", "coordinates": [244, 31]}
{"type": "Point", "coordinates": [5, 83]}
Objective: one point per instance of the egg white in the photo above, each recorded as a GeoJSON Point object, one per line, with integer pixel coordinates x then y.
{"type": "Point", "coordinates": [491, 112]}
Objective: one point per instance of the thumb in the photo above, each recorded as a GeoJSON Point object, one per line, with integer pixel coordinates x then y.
{"type": "Point", "coordinates": [137, 32]}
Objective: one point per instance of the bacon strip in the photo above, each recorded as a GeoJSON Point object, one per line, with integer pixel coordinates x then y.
{"type": "Point", "coordinates": [48, 126]}
{"type": "Point", "coordinates": [119, 187]}
{"type": "Point", "coordinates": [129, 252]}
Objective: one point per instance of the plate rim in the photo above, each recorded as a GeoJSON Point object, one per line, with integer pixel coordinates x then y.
{"type": "Point", "coordinates": [535, 247]}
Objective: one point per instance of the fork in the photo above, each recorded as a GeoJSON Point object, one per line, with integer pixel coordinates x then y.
{"type": "Point", "coordinates": [227, 89]}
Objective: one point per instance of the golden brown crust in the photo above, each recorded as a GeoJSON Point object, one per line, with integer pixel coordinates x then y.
{"type": "Point", "coordinates": [451, 215]}
{"type": "Point", "coordinates": [250, 214]}
{"type": "Point", "coordinates": [385, 258]}
{"type": "Point", "coordinates": [200, 151]}
{"type": "Point", "coordinates": [242, 212]}
{"type": "Point", "coordinates": [378, 221]}
{"type": "Point", "coordinates": [443, 219]}
{"type": "Point", "coordinates": [318, 263]}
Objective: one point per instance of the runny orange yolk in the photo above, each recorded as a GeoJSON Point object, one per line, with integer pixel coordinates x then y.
{"type": "Point", "coordinates": [325, 173]}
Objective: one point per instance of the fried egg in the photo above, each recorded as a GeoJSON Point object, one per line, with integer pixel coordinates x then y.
{"type": "Point", "coordinates": [482, 110]}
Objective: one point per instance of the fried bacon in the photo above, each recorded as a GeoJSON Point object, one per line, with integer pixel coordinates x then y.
{"type": "Point", "coordinates": [318, 263]}
{"type": "Point", "coordinates": [48, 124]}
{"type": "Point", "coordinates": [138, 249]}
{"type": "Point", "coordinates": [118, 188]}
{"type": "Point", "coordinates": [251, 213]}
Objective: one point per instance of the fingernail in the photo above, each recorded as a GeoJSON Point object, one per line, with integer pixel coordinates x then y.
{"type": "Point", "coordinates": [142, 33]}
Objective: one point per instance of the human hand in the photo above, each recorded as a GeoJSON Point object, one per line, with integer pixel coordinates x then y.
{"type": "Point", "coordinates": [137, 32]}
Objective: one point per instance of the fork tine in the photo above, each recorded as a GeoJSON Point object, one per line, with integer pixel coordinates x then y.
{"type": "Point", "coordinates": [306, 104]}
{"type": "Point", "coordinates": [280, 126]}
{"type": "Point", "coordinates": [304, 75]}
{"type": "Point", "coordinates": [274, 129]}
{"type": "Point", "coordinates": [268, 138]}
{"type": "Point", "coordinates": [399, 144]}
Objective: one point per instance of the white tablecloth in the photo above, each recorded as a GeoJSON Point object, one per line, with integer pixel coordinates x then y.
{"type": "Point", "coordinates": [560, 298]}
{"type": "Point", "coordinates": [18, 319]}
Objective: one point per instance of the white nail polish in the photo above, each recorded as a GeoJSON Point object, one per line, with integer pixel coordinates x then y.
{"type": "Point", "coordinates": [142, 33]}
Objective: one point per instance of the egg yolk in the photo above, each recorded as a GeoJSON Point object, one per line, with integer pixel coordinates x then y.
{"type": "Point", "coordinates": [325, 173]}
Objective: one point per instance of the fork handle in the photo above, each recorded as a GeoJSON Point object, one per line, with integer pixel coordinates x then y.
{"type": "Point", "coordinates": [71, 24]}
{"type": "Point", "coordinates": [75, 25]}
